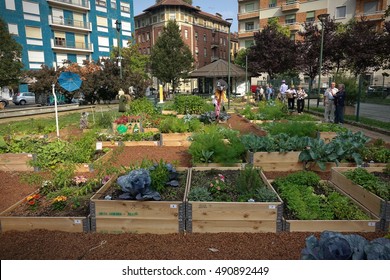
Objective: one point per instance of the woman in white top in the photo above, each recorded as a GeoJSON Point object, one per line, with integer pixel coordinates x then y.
{"type": "Point", "coordinates": [301, 95]}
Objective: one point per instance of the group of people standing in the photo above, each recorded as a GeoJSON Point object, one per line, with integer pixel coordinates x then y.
{"type": "Point", "coordinates": [334, 102]}
{"type": "Point", "coordinates": [289, 94]}
{"type": "Point", "coordinates": [260, 94]}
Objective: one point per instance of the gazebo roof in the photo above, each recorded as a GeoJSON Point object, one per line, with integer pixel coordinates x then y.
{"type": "Point", "coordinates": [219, 68]}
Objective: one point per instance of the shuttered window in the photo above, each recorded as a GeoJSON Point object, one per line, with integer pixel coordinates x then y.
{"type": "Point", "coordinates": [33, 32]}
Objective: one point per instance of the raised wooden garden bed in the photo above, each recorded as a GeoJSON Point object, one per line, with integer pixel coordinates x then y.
{"type": "Point", "coordinates": [169, 112]}
{"type": "Point", "coordinates": [275, 161]}
{"type": "Point", "coordinates": [369, 200]}
{"type": "Point", "coordinates": [89, 167]}
{"type": "Point", "coordinates": [16, 162]}
{"type": "Point", "coordinates": [110, 144]}
{"type": "Point", "coordinates": [372, 224]}
{"type": "Point", "coordinates": [125, 216]}
{"type": "Point", "coordinates": [213, 217]}
{"type": "Point", "coordinates": [27, 223]}
{"type": "Point", "coordinates": [285, 162]}
{"type": "Point", "coordinates": [175, 139]}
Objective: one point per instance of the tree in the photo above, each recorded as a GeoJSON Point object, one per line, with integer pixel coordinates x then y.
{"type": "Point", "coordinates": [136, 62]}
{"type": "Point", "coordinates": [44, 79]}
{"type": "Point", "coordinates": [360, 43]}
{"type": "Point", "coordinates": [171, 58]}
{"type": "Point", "coordinates": [10, 58]}
{"type": "Point", "coordinates": [273, 51]}
{"type": "Point", "coordinates": [308, 49]}
{"type": "Point", "coordinates": [240, 58]}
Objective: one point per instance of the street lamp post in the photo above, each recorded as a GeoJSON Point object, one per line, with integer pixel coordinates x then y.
{"type": "Point", "coordinates": [322, 18]}
{"type": "Point", "coordinates": [230, 20]}
{"type": "Point", "coordinates": [118, 29]}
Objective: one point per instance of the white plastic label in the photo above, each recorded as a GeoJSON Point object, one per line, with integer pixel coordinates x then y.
{"type": "Point", "coordinates": [272, 207]}
{"type": "Point", "coordinates": [77, 222]}
{"type": "Point", "coordinates": [173, 206]}
{"type": "Point", "coordinates": [371, 224]}
{"type": "Point", "coordinates": [99, 145]}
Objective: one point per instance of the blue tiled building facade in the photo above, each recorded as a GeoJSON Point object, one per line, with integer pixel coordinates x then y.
{"type": "Point", "coordinates": [51, 31]}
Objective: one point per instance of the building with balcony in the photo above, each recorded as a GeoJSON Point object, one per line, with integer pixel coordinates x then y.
{"type": "Point", "coordinates": [205, 34]}
{"type": "Point", "coordinates": [54, 31]}
{"type": "Point", "coordinates": [253, 15]}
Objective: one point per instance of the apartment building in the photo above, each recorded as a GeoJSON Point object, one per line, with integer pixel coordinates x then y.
{"type": "Point", "coordinates": [51, 31]}
{"type": "Point", "coordinates": [253, 15]}
{"type": "Point", "coordinates": [205, 34]}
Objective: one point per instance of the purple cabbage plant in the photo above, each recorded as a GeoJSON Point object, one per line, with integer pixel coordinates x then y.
{"type": "Point", "coordinates": [337, 246]}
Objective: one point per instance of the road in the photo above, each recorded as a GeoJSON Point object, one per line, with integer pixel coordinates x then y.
{"type": "Point", "coordinates": [372, 111]}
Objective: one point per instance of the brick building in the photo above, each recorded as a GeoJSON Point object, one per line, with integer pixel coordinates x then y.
{"type": "Point", "coordinates": [205, 34]}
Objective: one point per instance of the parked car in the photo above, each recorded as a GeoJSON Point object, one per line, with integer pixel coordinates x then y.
{"type": "Point", "coordinates": [4, 102]}
{"type": "Point", "coordinates": [23, 98]}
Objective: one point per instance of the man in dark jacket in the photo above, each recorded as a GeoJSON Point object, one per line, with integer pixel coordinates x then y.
{"type": "Point", "coordinates": [339, 102]}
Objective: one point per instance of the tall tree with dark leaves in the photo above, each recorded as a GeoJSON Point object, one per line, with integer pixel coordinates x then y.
{"type": "Point", "coordinates": [10, 58]}
{"type": "Point", "coordinates": [171, 59]}
{"type": "Point", "coordinates": [273, 52]}
{"type": "Point", "coordinates": [308, 49]}
{"type": "Point", "coordinates": [361, 43]}
{"type": "Point", "coordinates": [385, 45]}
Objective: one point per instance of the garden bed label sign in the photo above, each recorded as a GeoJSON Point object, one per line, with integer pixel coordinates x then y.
{"type": "Point", "coordinates": [272, 207]}
{"type": "Point", "coordinates": [173, 206]}
{"type": "Point", "coordinates": [99, 146]}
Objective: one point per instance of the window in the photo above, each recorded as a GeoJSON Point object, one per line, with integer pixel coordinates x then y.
{"type": "Point", "coordinates": [172, 16]}
{"type": "Point", "coordinates": [196, 35]}
{"type": "Point", "coordinates": [33, 32]}
{"type": "Point", "coordinates": [113, 4]}
{"type": "Point", "coordinates": [101, 3]}
{"type": "Point", "coordinates": [186, 33]}
{"type": "Point", "coordinates": [147, 37]}
{"type": "Point", "coordinates": [249, 26]}
{"type": "Point", "coordinates": [204, 52]}
{"type": "Point", "coordinates": [248, 44]}
{"type": "Point", "coordinates": [36, 56]}
{"type": "Point", "coordinates": [249, 7]}
{"type": "Point", "coordinates": [290, 19]}
{"type": "Point", "coordinates": [341, 12]}
{"type": "Point", "coordinates": [371, 7]}
{"type": "Point", "coordinates": [310, 16]}
{"type": "Point", "coordinates": [125, 7]}
{"type": "Point", "coordinates": [205, 37]}
{"type": "Point", "coordinates": [101, 21]}
{"type": "Point", "coordinates": [292, 36]}
{"type": "Point", "coordinates": [13, 29]}
{"type": "Point", "coordinates": [31, 8]}
{"type": "Point", "coordinates": [288, 2]}
{"type": "Point", "coordinates": [272, 3]}
{"type": "Point", "coordinates": [10, 4]}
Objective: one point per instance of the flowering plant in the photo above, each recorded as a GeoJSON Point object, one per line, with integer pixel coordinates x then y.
{"type": "Point", "coordinates": [218, 185]}
{"type": "Point", "coordinates": [105, 179]}
{"type": "Point", "coordinates": [33, 201]}
{"type": "Point", "coordinates": [127, 119]}
{"type": "Point", "coordinates": [79, 180]}
{"type": "Point", "coordinates": [59, 202]}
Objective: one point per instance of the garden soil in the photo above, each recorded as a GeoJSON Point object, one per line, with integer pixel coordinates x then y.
{"type": "Point", "coordinates": [47, 245]}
